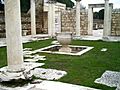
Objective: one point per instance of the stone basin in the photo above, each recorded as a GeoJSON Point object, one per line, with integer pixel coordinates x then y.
{"type": "Point", "coordinates": [64, 38]}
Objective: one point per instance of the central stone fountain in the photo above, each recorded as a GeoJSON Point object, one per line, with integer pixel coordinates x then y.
{"type": "Point", "coordinates": [64, 47]}
{"type": "Point", "coordinates": [64, 38]}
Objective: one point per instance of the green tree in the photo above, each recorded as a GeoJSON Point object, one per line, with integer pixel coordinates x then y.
{"type": "Point", "coordinates": [96, 15]}
{"type": "Point", "coordinates": [101, 14]}
{"type": "Point", "coordinates": [25, 5]}
{"type": "Point", "coordinates": [68, 3]}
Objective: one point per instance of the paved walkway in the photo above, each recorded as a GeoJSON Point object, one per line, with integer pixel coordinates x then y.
{"type": "Point", "coordinates": [26, 39]}
{"type": "Point", "coordinates": [49, 85]}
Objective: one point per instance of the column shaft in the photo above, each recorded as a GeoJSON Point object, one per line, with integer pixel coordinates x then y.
{"type": "Point", "coordinates": [90, 20]}
{"type": "Point", "coordinates": [110, 19]}
{"type": "Point", "coordinates": [106, 30]}
{"type": "Point", "coordinates": [77, 18]}
{"type": "Point", "coordinates": [51, 20]}
{"type": "Point", "coordinates": [33, 18]}
{"type": "Point", "coordinates": [13, 35]}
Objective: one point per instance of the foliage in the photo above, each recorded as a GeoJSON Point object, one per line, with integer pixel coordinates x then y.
{"type": "Point", "coordinates": [25, 5]}
{"type": "Point", "coordinates": [68, 3]}
{"type": "Point", "coordinates": [96, 15]}
{"type": "Point", "coordinates": [99, 15]}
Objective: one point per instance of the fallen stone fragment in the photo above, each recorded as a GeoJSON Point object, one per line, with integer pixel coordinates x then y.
{"type": "Point", "coordinates": [27, 49]}
{"type": "Point", "coordinates": [48, 74]}
{"type": "Point", "coordinates": [27, 52]}
{"type": "Point", "coordinates": [104, 49]}
{"type": "Point", "coordinates": [109, 78]}
{"type": "Point", "coordinates": [55, 42]}
{"type": "Point", "coordinates": [26, 74]}
{"type": "Point", "coordinates": [31, 60]}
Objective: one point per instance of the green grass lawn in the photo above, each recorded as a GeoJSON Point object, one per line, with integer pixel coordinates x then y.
{"type": "Point", "coordinates": [82, 70]}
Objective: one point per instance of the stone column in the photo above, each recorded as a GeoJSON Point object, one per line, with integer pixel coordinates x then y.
{"type": "Point", "coordinates": [110, 18]}
{"type": "Point", "coordinates": [51, 18]}
{"type": "Point", "coordinates": [90, 20]}
{"type": "Point", "coordinates": [106, 30]}
{"type": "Point", "coordinates": [78, 18]}
{"type": "Point", "coordinates": [13, 35]}
{"type": "Point", "coordinates": [33, 18]}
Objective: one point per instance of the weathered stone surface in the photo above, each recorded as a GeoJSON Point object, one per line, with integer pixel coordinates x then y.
{"type": "Point", "coordinates": [49, 74]}
{"type": "Point", "coordinates": [116, 22]}
{"type": "Point", "coordinates": [103, 49]}
{"type": "Point", "coordinates": [5, 75]}
{"type": "Point", "coordinates": [49, 85]}
{"type": "Point", "coordinates": [13, 25]}
{"type": "Point", "coordinates": [69, 20]}
{"type": "Point", "coordinates": [33, 17]}
{"type": "Point", "coordinates": [109, 78]}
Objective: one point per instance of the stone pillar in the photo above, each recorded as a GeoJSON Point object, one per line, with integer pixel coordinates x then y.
{"type": "Point", "coordinates": [78, 18]}
{"type": "Point", "coordinates": [110, 18]}
{"type": "Point", "coordinates": [51, 18]}
{"type": "Point", "coordinates": [33, 18]}
{"type": "Point", "coordinates": [106, 31]}
{"type": "Point", "coordinates": [13, 35]}
{"type": "Point", "coordinates": [90, 20]}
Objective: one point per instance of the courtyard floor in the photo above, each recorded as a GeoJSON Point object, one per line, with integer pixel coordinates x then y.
{"type": "Point", "coordinates": [81, 70]}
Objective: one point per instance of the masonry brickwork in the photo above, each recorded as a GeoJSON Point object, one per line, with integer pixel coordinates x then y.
{"type": "Point", "coordinates": [68, 21]}
{"type": "Point", "coordinates": [26, 23]}
{"type": "Point", "coordinates": [116, 22]}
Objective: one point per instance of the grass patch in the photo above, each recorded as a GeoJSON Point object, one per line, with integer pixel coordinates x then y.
{"type": "Point", "coordinates": [82, 70]}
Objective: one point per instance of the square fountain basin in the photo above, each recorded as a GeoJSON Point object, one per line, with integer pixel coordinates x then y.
{"type": "Point", "coordinates": [76, 50]}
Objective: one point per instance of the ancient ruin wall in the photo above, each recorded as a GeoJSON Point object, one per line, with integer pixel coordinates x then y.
{"type": "Point", "coordinates": [26, 23]}
{"type": "Point", "coordinates": [116, 22]}
{"type": "Point", "coordinates": [68, 21]}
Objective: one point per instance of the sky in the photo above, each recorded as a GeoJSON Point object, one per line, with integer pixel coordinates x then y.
{"type": "Point", "coordinates": [116, 3]}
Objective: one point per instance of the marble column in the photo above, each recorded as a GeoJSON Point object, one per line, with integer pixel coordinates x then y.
{"type": "Point", "coordinates": [77, 18]}
{"type": "Point", "coordinates": [90, 20]}
{"type": "Point", "coordinates": [51, 18]}
{"type": "Point", "coordinates": [13, 35]}
{"type": "Point", "coordinates": [110, 18]}
{"type": "Point", "coordinates": [106, 31]}
{"type": "Point", "coordinates": [33, 18]}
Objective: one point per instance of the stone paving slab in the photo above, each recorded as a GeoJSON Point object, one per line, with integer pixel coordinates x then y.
{"type": "Point", "coordinates": [52, 85]}
{"type": "Point", "coordinates": [49, 85]}
{"type": "Point", "coordinates": [109, 78]}
{"type": "Point", "coordinates": [48, 74]}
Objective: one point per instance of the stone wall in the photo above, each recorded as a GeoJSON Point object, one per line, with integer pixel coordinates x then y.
{"type": "Point", "coordinates": [2, 24]}
{"type": "Point", "coordinates": [26, 23]}
{"type": "Point", "coordinates": [116, 22]}
{"type": "Point", "coordinates": [98, 24]}
{"type": "Point", "coordinates": [68, 21]}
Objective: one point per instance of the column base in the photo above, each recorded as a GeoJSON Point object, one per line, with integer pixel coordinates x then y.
{"type": "Point", "coordinates": [15, 68]}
